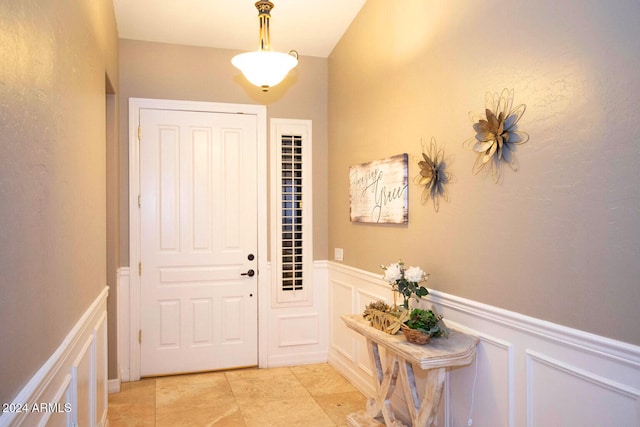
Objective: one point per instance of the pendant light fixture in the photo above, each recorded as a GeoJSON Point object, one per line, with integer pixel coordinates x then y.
{"type": "Point", "coordinates": [264, 67]}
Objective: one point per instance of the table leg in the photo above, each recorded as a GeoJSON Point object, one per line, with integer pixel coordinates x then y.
{"type": "Point", "coordinates": [385, 382]}
{"type": "Point", "coordinates": [422, 411]}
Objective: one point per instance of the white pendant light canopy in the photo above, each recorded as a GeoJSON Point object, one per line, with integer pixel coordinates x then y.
{"type": "Point", "coordinates": [265, 68]}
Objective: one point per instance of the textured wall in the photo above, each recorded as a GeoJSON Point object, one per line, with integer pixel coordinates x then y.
{"type": "Point", "coordinates": [558, 240]}
{"type": "Point", "coordinates": [54, 57]}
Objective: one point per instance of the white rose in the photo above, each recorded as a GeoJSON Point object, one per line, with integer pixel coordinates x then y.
{"type": "Point", "coordinates": [415, 274]}
{"type": "Point", "coordinates": [393, 273]}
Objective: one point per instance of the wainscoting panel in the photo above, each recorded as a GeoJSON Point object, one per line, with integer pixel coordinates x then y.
{"type": "Point", "coordinates": [299, 334]}
{"type": "Point", "coordinates": [70, 389]}
{"type": "Point", "coordinates": [493, 367]}
{"type": "Point", "coordinates": [342, 296]}
{"type": "Point", "coordinates": [124, 328]}
{"type": "Point", "coordinates": [528, 372]}
{"type": "Point", "coordinates": [81, 383]}
{"type": "Point", "coordinates": [298, 329]}
{"type": "Point", "coordinates": [62, 398]}
{"type": "Point", "coordinates": [547, 378]}
{"type": "Point", "coordinates": [350, 290]}
{"type": "Point", "coordinates": [101, 368]}
{"type": "Point", "coordinates": [288, 335]}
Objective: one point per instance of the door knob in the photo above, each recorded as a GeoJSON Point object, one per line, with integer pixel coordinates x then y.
{"type": "Point", "coordinates": [249, 273]}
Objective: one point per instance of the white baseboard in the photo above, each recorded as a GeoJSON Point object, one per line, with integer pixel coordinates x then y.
{"type": "Point", "coordinates": [113, 386]}
{"type": "Point", "coordinates": [526, 366]}
{"type": "Point", "coordinates": [72, 383]}
{"type": "Point", "coordinates": [363, 383]}
{"type": "Point", "coordinates": [297, 359]}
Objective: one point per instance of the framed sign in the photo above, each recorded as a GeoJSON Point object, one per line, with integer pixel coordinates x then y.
{"type": "Point", "coordinates": [378, 191]}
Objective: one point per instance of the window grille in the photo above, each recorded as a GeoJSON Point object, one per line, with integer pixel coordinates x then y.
{"type": "Point", "coordinates": [291, 233]}
{"type": "Point", "coordinates": [291, 230]}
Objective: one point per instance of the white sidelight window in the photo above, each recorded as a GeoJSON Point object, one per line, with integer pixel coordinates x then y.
{"type": "Point", "coordinates": [291, 237]}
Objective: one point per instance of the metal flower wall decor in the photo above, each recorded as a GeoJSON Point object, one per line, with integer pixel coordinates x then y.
{"type": "Point", "coordinates": [497, 134]}
{"type": "Point", "coordinates": [433, 176]}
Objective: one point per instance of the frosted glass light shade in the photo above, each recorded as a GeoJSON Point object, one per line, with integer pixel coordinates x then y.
{"type": "Point", "coordinates": [264, 68]}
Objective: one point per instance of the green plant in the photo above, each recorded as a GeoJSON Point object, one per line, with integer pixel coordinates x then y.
{"type": "Point", "coordinates": [426, 321]}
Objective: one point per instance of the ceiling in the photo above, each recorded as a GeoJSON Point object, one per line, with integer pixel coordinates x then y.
{"type": "Point", "coordinates": [310, 27]}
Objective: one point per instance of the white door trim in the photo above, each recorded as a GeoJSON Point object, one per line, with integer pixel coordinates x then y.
{"type": "Point", "coordinates": [260, 111]}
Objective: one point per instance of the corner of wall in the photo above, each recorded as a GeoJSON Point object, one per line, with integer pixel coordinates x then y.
{"type": "Point", "coordinates": [71, 386]}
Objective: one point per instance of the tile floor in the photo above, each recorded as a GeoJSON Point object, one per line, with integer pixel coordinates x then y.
{"type": "Point", "coordinates": [305, 396]}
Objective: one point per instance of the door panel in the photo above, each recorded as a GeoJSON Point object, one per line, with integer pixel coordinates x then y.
{"type": "Point", "coordinates": [198, 183]}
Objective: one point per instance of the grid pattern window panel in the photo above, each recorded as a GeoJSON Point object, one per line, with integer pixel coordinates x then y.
{"type": "Point", "coordinates": [291, 213]}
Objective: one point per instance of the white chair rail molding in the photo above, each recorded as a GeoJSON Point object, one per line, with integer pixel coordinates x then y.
{"type": "Point", "coordinates": [70, 389]}
{"type": "Point", "coordinates": [523, 371]}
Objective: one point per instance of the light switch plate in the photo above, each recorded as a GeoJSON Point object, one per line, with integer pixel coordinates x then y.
{"type": "Point", "coordinates": [338, 254]}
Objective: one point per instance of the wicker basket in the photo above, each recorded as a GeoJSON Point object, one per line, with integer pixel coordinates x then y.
{"type": "Point", "coordinates": [415, 336]}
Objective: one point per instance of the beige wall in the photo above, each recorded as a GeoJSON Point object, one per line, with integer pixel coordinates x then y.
{"type": "Point", "coordinates": [53, 250]}
{"type": "Point", "coordinates": [560, 239]}
{"type": "Point", "coordinates": [166, 71]}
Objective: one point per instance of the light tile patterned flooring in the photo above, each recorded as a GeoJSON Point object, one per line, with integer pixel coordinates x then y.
{"type": "Point", "coordinates": [300, 396]}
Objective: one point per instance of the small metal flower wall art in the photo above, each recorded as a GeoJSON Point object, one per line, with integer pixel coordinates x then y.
{"type": "Point", "coordinates": [497, 135]}
{"type": "Point", "coordinates": [433, 175]}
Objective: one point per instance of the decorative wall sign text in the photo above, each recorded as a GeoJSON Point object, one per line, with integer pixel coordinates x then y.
{"type": "Point", "coordinates": [378, 191]}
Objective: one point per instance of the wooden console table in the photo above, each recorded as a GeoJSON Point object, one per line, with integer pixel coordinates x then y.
{"type": "Point", "coordinates": [440, 353]}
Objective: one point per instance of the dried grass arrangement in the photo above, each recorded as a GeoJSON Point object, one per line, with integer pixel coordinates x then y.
{"type": "Point", "coordinates": [383, 318]}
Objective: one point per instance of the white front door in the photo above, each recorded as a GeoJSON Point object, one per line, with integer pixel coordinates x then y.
{"type": "Point", "coordinates": [198, 241]}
